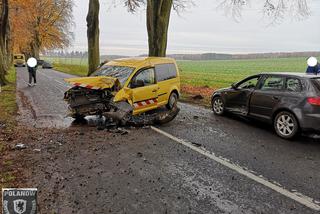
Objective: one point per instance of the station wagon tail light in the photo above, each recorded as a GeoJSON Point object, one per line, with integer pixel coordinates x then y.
{"type": "Point", "coordinates": [314, 101]}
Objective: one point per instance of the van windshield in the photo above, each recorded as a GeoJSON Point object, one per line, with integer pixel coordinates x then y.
{"type": "Point", "coordinates": [122, 73]}
{"type": "Point", "coordinates": [18, 57]}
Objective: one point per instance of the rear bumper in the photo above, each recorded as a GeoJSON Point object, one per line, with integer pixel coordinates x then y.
{"type": "Point", "coordinates": [19, 64]}
{"type": "Point", "coordinates": [310, 122]}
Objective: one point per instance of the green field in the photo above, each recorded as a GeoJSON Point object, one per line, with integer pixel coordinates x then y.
{"type": "Point", "coordinates": [212, 74]}
{"type": "Point", "coordinates": [222, 73]}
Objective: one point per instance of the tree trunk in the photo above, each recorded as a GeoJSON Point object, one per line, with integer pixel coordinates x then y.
{"type": "Point", "coordinates": [35, 48]}
{"type": "Point", "coordinates": [158, 18]}
{"type": "Point", "coordinates": [93, 35]}
{"type": "Point", "coordinates": [4, 22]}
{"type": "Point", "coordinates": [36, 43]}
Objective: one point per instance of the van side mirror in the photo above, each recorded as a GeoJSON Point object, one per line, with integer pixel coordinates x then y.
{"type": "Point", "coordinates": [234, 86]}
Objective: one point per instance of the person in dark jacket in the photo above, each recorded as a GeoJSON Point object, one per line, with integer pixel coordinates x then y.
{"type": "Point", "coordinates": [313, 66]}
{"type": "Point", "coordinates": [32, 69]}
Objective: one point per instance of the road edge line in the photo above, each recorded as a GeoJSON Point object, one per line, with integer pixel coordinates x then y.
{"type": "Point", "coordinates": [296, 196]}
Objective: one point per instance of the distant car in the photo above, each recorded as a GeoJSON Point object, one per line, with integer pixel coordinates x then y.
{"type": "Point", "coordinates": [40, 62]}
{"type": "Point", "coordinates": [289, 101]}
{"type": "Point", "coordinates": [47, 65]}
{"type": "Point", "coordinates": [19, 60]}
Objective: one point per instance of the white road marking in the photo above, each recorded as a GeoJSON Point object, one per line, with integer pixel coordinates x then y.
{"type": "Point", "coordinates": [298, 197]}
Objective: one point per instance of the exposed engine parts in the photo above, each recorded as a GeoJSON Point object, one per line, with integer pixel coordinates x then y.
{"type": "Point", "coordinates": [84, 102]}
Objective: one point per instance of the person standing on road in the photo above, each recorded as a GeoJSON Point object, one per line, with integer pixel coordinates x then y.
{"type": "Point", "coordinates": [313, 66]}
{"type": "Point", "coordinates": [32, 69]}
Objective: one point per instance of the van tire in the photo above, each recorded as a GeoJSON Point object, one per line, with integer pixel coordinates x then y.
{"type": "Point", "coordinates": [173, 100]}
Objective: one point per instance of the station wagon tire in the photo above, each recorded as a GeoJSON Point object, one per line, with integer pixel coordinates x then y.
{"type": "Point", "coordinates": [286, 125]}
{"type": "Point", "coordinates": [173, 100]}
{"type": "Point", "coordinates": [218, 106]}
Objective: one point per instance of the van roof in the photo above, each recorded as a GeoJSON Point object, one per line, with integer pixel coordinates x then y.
{"type": "Point", "coordinates": [140, 61]}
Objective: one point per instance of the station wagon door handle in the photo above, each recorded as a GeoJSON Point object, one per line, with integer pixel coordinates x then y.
{"type": "Point", "coordinates": [276, 98]}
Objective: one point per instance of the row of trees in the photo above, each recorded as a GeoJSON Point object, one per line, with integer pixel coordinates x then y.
{"type": "Point", "coordinates": [31, 26]}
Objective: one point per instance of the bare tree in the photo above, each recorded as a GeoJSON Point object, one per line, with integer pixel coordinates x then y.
{"type": "Point", "coordinates": [274, 10]}
{"type": "Point", "coordinates": [158, 19]}
{"type": "Point", "coordinates": [93, 35]}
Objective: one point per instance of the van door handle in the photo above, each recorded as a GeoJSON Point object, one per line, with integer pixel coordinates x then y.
{"type": "Point", "coordinates": [155, 90]}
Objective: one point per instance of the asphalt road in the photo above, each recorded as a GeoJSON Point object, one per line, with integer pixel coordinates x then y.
{"type": "Point", "coordinates": [198, 163]}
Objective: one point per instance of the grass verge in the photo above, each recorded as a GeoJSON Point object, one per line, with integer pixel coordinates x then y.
{"type": "Point", "coordinates": [78, 70]}
{"type": "Point", "coordinates": [8, 105]}
{"type": "Point", "coordinates": [8, 109]}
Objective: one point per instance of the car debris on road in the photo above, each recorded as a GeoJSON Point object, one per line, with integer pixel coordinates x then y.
{"type": "Point", "coordinates": [20, 146]}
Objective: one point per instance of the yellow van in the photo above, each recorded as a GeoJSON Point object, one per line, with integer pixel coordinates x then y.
{"type": "Point", "coordinates": [144, 83]}
{"type": "Point", "coordinates": [19, 60]}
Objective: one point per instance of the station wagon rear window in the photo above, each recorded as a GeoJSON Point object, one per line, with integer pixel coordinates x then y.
{"type": "Point", "coordinates": [316, 82]}
{"type": "Point", "coordinates": [293, 85]}
{"type": "Point", "coordinates": [165, 72]}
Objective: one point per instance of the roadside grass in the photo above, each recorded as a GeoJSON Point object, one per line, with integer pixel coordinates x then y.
{"type": "Point", "coordinates": [203, 77]}
{"type": "Point", "coordinates": [8, 109]}
{"type": "Point", "coordinates": [78, 70]}
{"type": "Point", "coordinates": [67, 61]}
{"type": "Point", "coordinates": [8, 105]}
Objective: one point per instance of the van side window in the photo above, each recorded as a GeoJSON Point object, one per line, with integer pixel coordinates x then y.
{"type": "Point", "coordinates": [293, 85]}
{"type": "Point", "coordinates": [145, 76]}
{"type": "Point", "coordinates": [165, 72]}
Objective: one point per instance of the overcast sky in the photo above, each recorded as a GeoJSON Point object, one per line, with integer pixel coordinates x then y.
{"type": "Point", "coordinates": [200, 29]}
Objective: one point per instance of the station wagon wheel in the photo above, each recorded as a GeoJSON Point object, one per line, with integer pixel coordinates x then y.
{"type": "Point", "coordinates": [173, 100]}
{"type": "Point", "coordinates": [286, 125]}
{"type": "Point", "coordinates": [218, 106]}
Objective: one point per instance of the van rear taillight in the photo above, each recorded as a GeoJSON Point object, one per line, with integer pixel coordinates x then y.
{"type": "Point", "coordinates": [314, 101]}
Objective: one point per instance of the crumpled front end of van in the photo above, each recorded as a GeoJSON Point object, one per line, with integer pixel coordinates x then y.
{"type": "Point", "coordinates": [93, 96]}
{"type": "Point", "coordinates": [104, 96]}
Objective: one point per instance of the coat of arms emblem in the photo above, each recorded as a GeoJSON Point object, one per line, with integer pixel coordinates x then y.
{"type": "Point", "coordinates": [20, 206]}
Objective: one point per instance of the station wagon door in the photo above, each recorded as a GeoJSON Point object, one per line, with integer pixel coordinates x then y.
{"type": "Point", "coordinates": [144, 91]}
{"type": "Point", "coordinates": [237, 100]}
{"type": "Point", "coordinates": [267, 96]}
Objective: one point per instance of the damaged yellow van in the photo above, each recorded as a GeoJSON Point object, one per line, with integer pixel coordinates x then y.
{"type": "Point", "coordinates": [134, 85]}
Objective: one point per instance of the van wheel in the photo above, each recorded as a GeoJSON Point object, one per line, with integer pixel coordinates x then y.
{"type": "Point", "coordinates": [218, 106]}
{"type": "Point", "coordinates": [173, 100]}
{"type": "Point", "coordinates": [286, 125]}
